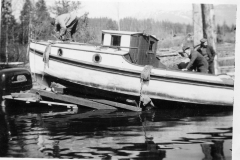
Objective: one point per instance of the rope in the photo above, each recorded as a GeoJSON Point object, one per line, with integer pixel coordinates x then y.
{"type": "Point", "coordinates": [46, 58]}
{"type": "Point", "coordinates": [140, 93]}
{"type": "Point", "coordinates": [145, 77]}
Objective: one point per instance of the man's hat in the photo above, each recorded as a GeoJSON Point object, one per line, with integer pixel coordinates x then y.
{"type": "Point", "coordinates": [203, 40]}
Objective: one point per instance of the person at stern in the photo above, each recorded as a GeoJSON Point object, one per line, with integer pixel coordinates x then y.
{"type": "Point", "coordinates": [197, 61]}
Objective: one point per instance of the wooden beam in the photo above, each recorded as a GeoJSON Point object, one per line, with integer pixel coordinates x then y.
{"type": "Point", "coordinates": [31, 99]}
{"type": "Point", "coordinates": [197, 24]}
{"type": "Point", "coordinates": [118, 105]}
{"type": "Point", "coordinates": [209, 29]}
{"type": "Point", "coordinates": [168, 55]}
{"type": "Point", "coordinates": [226, 58]}
{"type": "Point", "coordinates": [72, 99]}
{"type": "Point", "coordinates": [226, 67]}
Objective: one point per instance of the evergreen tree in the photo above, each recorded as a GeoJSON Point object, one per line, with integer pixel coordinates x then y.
{"type": "Point", "coordinates": [111, 25]}
{"type": "Point", "coordinates": [40, 24]}
{"type": "Point", "coordinates": [8, 32]}
{"type": "Point", "coordinates": [65, 6]}
{"type": "Point", "coordinates": [219, 29]}
{"type": "Point", "coordinates": [225, 28]}
{"type": "Point", "coordinates": [25, 17]}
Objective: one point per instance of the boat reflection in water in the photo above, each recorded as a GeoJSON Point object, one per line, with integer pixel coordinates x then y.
{"type": "Point", "coordinates": [213, 151]}
{"type": "Point", "coordinates": [176, 133]}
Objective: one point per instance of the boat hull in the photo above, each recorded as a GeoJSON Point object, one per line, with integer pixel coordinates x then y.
{"type": "Point", "coordinates": [91, 78]}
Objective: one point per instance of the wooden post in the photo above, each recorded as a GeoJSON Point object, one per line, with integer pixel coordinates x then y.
{"type": "Point", "coordinates": [209, 29]}
{"type": "Point", "coordinates": [197, 24]}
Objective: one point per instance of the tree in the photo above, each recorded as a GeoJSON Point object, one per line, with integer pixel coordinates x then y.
{"type": "Point", "coordinates": [225, 28]}
{"type": "Point", "coordinates": [189, 28]}
{"type": "Point", "coordinates": [25, 17]}
{"type": "Point", "coordinates": [111, 25]}
{"type": "Point", "coordinates": [8, 23]}
{"type": "Point", "coordinates": [65, 6]}
{"type": "Point", "coordinates": [40, 23]}
{"type": "Point", "coordinates": [83, 32]}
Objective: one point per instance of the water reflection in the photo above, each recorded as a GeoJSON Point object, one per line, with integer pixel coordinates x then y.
{"type": "Point", "coordinates": [4, 132]}
{"type": "Point", "coordinates": [28, 131]}
{"type": "Point", "coordinates": [213, 151]}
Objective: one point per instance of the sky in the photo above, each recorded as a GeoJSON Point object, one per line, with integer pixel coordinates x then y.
{"type": "Point", "coordinates": [124, 8]}
{"type": "Point", "coordinates": [129, 8]}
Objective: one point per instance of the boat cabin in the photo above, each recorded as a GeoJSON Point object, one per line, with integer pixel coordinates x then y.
{"type": "Point", "coordinates": [141, 47]}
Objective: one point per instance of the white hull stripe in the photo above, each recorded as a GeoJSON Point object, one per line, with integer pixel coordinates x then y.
{"type": "Point", "coordinates": [131, 73]}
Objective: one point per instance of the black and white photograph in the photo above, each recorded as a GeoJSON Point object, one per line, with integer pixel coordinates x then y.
{"type": "Point", "coordinates": [136, 79]}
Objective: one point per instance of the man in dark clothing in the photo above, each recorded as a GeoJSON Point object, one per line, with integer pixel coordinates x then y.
{"type": "Point", "coordinates": [197, 61]}
{"type": "Point", "coordinates": [65, 26]}
{"type": "Point", "coordinates": [209, 53]}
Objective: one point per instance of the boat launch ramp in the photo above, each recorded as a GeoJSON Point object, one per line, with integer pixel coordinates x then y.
{"type": "Point", "coordinates": [37, 95]}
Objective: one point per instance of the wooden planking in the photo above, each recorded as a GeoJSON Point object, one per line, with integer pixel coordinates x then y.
{"type": "Point", "coordinates": [72, 99]}
{"type": "Point", "coordinates": [118, 105]}
{"type": "Point", "coordinates": [28, 100]}
{"type": "Point", "coordinates": [226, 58]}
{"type": "Point", "coordinates": [226, 67]}
{"type": "Point", "coordinates": [167, 55]}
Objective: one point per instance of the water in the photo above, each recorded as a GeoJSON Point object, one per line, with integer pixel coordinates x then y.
{"type": "Point", "coordinates": [177, 133]}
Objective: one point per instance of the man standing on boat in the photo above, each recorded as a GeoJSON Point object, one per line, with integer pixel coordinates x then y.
{"type": "Point", "coordinates": [209, 53]}
{"type": "Point", "coordinates": [65, 26]}
{"type": "Point", "coordinates": [197, 61]}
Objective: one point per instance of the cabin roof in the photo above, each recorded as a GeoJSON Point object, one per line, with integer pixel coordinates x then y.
{"type": "Point", "coordinates": [127, 33]}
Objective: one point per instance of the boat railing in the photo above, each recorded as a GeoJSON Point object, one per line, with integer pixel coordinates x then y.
{"type": "Point", "coordinates": [63, 42]}
{"type": "Point", "coordinates": [119, 47]}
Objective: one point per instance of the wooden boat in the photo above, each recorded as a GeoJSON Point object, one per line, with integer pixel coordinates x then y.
{"type": "Point", "coordinates": [113, 71]}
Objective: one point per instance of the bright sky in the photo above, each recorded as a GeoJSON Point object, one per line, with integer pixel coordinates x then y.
{"type": "Point", "coordinates": [126, 8]}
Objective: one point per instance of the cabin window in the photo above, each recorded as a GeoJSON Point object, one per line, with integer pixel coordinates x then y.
{"type": "Point", "coordinates": [116, 40]}
{"type": "Point", "coordinates": [151, 46]}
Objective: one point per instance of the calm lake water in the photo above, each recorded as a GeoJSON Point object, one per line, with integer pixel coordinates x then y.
{"type": "Point", "coordinates": [176, 133]}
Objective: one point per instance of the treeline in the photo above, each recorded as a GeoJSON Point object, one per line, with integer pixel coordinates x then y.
{"type": "Point", "coordinates": [15, 35]}
{"type": "Point", "coordinates": [226, 33]}
{"type": "Point", "coordinates": [160, 29]}
{"type": "Point", "coordinates": [35, 24]}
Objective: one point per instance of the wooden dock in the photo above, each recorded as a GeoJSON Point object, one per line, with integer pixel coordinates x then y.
{"type": "Point", "coordinates": [31, 100]}
{"type": "Point", "coordinates": [100, 104]}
